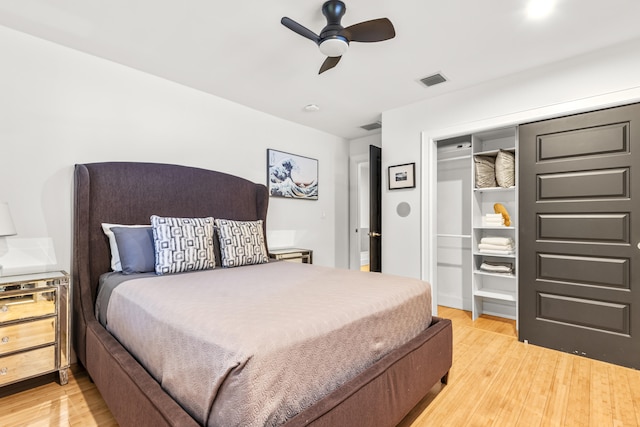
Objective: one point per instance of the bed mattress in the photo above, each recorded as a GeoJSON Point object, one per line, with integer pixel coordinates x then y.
{"type": "Point", "coordinates": [255, 345]}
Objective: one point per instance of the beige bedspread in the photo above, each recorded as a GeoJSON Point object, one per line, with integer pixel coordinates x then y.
{"type": "Point", "coordinates": [254, 345]}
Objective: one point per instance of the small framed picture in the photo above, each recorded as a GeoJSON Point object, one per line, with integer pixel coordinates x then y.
{"type": "Point", "coordinates": [402, 176]}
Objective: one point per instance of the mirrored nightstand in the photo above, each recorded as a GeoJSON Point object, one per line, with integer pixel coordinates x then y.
{"type": "Point", "coordinates": [34, 326]}
{"type": "Point", "coordinates": [304, 256]}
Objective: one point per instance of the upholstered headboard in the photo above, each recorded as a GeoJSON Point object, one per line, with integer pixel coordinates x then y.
{"type": "Point", "coordinates": [129, 193]}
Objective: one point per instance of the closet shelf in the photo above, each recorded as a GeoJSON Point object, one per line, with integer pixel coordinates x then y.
{"type": "Point", "coordinates": [494, 152]}
{"type": "Point", "coordinates": [495, 294]}
{"type": "Point", "coordinates": [479, 253]}
{"type": "Point", "coordinates": [489, 273]}
{"type": "Point", "coordinates": [493, 189]}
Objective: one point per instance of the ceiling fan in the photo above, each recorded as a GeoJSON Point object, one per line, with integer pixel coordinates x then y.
{"type": "Point", "coordinates": [334, 39]}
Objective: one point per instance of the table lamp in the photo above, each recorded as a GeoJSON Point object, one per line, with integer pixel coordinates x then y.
{"type": "Point", "coordinates": [6, 223]}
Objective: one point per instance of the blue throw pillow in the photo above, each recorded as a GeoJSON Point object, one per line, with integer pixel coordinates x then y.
{"type": "Point", "coordinates": [137, 252]}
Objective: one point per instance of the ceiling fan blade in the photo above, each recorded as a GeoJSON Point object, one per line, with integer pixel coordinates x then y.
{"type": "Point", "coordinates": [300, 29]}
{"type": "Point", "coordinates": [329, 63]}
{"type": "Point", "coordinates": [375, 30]}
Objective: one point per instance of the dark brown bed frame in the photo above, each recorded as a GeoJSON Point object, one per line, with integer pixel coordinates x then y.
{"type": "Point", "coordinates": [128, 193]}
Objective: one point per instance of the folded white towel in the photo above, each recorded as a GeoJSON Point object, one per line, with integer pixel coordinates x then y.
{"type": "Point", "coordinates": [485, 246]}
{"type": "Point", "coordinates": [493, 216]}
{"type": "Point", "coordinates": [488, 223]}
{"type": "Point", "coordinates": [497, 252]}
{"type": "Point", "coordinates": [497, 240]}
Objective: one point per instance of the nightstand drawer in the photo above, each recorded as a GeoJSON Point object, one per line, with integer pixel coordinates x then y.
{"type": "Point", "coordinates": [296, 256]}
{"type": "Point", "coordinates": [25, 335]}
{"type": "Point", "coordinates": [26, 305]}
{"type": "Point", "coordinates": [27, 364]}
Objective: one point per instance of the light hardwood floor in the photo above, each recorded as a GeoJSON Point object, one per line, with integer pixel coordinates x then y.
{"type": "Point", "coordinates": [77, 404]}
{"type": "Point", "coordinates": [495, 381]}
{"type": "Point", "coordinates": [498, 381]}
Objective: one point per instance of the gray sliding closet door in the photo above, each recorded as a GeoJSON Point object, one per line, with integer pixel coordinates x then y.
{"type": "Point", "coordinates": [579, 234]}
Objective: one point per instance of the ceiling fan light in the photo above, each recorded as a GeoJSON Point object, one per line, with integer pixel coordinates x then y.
{"type": "Point", "coordinates": [334, 46]}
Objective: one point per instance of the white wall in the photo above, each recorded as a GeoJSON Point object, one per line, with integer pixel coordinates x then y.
{"type": "Point", "coordinates": [340, 221]}
{"type": "Point", "coordinates": [600, 79]}
{"type": "Point", "coordinates": [361, 145]}
{"type": "Point", "coordinates": [59, 107]}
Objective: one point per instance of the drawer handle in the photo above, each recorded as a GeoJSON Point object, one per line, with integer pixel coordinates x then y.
{"type": "Point", "coordinates": [4, 308]}
{"type": "Point", "coordinates": [5, 340]}
{"type": "Point", "coordinates": [3, 371]}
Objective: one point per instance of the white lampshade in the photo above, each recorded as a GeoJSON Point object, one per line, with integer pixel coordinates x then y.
{"type": "Point", "coordinates": [334, 47]}
{"type": "Point", "coordinates": [6, 223]}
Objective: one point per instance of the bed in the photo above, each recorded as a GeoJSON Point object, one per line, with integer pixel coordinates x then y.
{"type": "Point", "coordinates": [381, 394]}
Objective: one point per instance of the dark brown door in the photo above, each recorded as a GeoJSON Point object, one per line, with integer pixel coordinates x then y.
{"type": "Point", "coordinates": [375, 209]}
{"type": "Point", "coordinates": [579, 234]}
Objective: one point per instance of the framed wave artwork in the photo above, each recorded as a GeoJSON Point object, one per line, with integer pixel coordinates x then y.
{"type": "Point", "coordinates": [292, 176]}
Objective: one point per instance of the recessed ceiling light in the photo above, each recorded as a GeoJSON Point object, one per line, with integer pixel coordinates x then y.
{"type": "Point", "coordinates": [537, 9]}
{"type": "Point", "coordinates": [311, 108]}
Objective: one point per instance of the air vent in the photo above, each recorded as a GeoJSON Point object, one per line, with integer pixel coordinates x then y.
{"type": "Point", "coordinates": [372, 126]}
{"type": "Point", "coordinates": [433, 80]}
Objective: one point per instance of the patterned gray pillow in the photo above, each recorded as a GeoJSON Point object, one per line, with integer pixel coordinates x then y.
{"type": "Point", "coordinates": [485, 171]}
{"type": "Point", "coordinates": [241, 242]}
{"type": "Point", "coordinates": [506, 169]}
{"type": "Point", "coordinates": [183, 244]}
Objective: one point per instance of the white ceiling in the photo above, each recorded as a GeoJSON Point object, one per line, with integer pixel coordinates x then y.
{"type": "Point", "coordinates": [238, 50]}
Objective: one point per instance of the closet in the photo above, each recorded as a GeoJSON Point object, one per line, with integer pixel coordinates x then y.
{"type": "Point", "coordinates": [476, 268]}
{"type": "Point", "coordinates": [454, 184]}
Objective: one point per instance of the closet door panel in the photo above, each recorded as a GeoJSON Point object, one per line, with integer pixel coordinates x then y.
{"type": "Point", "coordinates": [579, 234]}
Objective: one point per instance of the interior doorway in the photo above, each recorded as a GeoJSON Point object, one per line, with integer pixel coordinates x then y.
{"type": "Point", "coordinates": [360, 208]}
{"type": "Point", "coordinates": [363, 214]}
{"type": "Point", "coordinates": [359, 236]}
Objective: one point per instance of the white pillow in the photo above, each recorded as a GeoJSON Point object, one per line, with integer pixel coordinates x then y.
{"type": "Point", "coordinates": [115, 255]}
